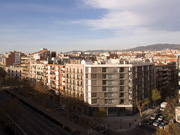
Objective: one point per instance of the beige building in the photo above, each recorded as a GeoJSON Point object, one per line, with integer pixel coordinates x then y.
{"type": "Point", "coordinates": [177, 114]}
{"type": "Point", "coordinates": [117, 87]}
{"type": "Point", "coordinates": [36, 71]}
{"type": "Point", "coordinates": [14, 72]}
{"type": "Point", "coordinates": [25, 64]}
{"type": "Point", "coordinates": [75, 80]}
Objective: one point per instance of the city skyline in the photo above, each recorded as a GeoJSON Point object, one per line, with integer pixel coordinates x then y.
{"type": "Point", "coordinates": [86, 24]}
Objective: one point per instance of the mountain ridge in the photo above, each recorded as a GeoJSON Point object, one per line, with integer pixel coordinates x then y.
{"type": "Point", "coordinates": [153, 47]}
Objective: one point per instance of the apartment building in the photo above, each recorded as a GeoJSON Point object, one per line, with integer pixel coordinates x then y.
{"type": "Point", "coordinates": [25, 64]}
{"type": "Point", "coordinates": [177, 108]}
{"type": "Point", "coordinates": [75, 80]}
{"type": "Point", "coordinates": [166, 75]}
{"type": "Point", "coordinates": [14, 71]}
{"type": "Point", "coordinates": [117, 87]}
{"type": "Point", "coordinates": [162, 77]}
{"type": "Point", "coordinates": [55, 77]}
{"type": "Point", "coordinates": [173, 73]}
{"type": "Point", "coordinates": [10, 59]}
{"type": "Point", "coordinates": [36, 71]}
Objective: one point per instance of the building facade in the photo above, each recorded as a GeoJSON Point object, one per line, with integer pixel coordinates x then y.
{"type": "Point", "coordinates": [25, 64]}
{"type": "Point", "coordinates": [14, 72]}
{"type": "Point", "coordinates": [117, 87]}
{"type": "Point", "coordinates": [36, 72]}
{"type": "Point", "coordinates": [10, 59]}
{"type": "Point", "coordinates": [75, 80]}
{"type": "Point", "coordinates": [55, 77]}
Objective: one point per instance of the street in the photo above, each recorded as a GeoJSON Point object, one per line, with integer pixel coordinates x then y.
{"type": "Point", "coordinates": [29, 121]}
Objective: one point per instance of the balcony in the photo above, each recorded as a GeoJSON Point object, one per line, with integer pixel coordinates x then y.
{"type": "Point", "coordinates": [107, 101]}
{"type": "Point", "coordinates": [63, 69]}
{"type": "Point", "coordinates": [52, 68]}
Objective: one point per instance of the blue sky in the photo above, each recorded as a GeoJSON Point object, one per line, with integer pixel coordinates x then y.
{"type": "Point", "coordinates": [64, 25]}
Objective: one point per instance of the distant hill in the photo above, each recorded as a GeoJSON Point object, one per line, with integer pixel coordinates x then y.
{"type": "Point", "coordinates": [155, 47]}
{"type": "Point", "coordinates": [93, 51]}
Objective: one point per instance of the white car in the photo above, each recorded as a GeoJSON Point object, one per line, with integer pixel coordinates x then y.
{"type": "Point", "coordinates": [160, 118]}
{"type": "Point", "coordinates": [156, 123]}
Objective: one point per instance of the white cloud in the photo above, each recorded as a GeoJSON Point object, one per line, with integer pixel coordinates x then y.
{"type": "Point", "coordinates": [113, 4]}
{"type": "Point", "coordinates": [114, 20]}
{"type": "Point", "coordinates": [135, 14]}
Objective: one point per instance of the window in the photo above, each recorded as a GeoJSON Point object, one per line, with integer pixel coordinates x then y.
{"type": "Point", "coordinates": [104, 82]}
{"type": "Point", "coordinates": [121, 95]}
{"type": "Point", "coordinates": [121, 88]}
{"type": "Point", "coordinates": [109, 88]}
{"type": "Point", "coordinates": [86, 75]}
{"type": "Point", "coordinates": [93, 101]}
{"type": "Point", "coordinates": [121, 101]}
{"type": "Point", "coordinates": [178, 117]}
{"type": "Point", "coordinates": [122, 82]}
{"type": "Point", "coordinates": [93, 94]}
{"type": "Point", "coordinates": [103, 69]}
{"type": "Point", "coordinates": [109, 82]}
{"type": "Point", "coordinates": [121, 69]}
{"type": "Point", "coordinates": [107, 94]}
{"type": "Point", "coordinates": [93, 76]}
{"type": "Point", "coordinates": [109, 76]}
{"type": "Point", "coordinates": [108, 101]}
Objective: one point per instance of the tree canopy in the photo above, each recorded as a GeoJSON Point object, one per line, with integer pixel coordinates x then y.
{"type": "Point", "coordinates": [155, 95]}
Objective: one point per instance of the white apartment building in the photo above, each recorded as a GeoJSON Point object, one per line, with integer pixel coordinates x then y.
{"type": "Point", "coordinates": [36, 71]}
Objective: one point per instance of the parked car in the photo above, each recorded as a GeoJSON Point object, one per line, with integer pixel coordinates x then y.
{"type": "Point", "coordinates": [166, 121]}
{"type": "Point", "coordinates": [156, 123]}
{"type": "Point", "coordinates": [160, 118]}
{"type": "Point", "coordinates": [154, 116]}
{"type": "Point", "coordinates": [163, 106]}
{"type": "Point", "coordinates": [161, 125]}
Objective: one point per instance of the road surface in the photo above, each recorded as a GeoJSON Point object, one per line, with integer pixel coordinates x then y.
{"type": "Point", "coordinates": [29, 121]}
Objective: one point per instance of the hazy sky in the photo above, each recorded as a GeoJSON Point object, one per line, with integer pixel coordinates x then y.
{"type": "Point", "coordinates": [63, 25]}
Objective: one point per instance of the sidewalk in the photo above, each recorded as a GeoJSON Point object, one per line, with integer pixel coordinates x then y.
{"type": "Point", "coordinates": [127, 122]}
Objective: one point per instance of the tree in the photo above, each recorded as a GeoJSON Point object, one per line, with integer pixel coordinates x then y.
{"type": "Point", "coordinates": [11, 81]}
{"type": "Point", "coordinates": [2, 72]}
{"type": "Point", "coordinates": [141, 104]}
{"type": "Point", "coordinates": [85, 122]}
{"type": "Point", "coordinates": [1, 82]}
{"type": "Point", "coordinates": [172, 129]}
{"type": "Point", "coordinates": [155, 95]}
{"type": "Point", "coordinates": [167, 91]}
{"type": "Point", "coordinates": [146, 101]}
{"type": "Point", "coordinates": [169, 111]}
{"type": "Point", "coordinates": [100, 115]}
